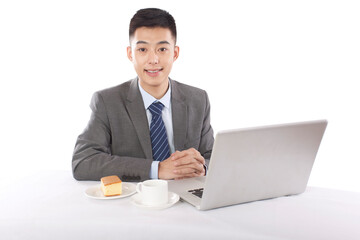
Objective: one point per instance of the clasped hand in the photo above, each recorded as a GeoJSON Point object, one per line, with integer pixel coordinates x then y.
{"type": "Point", "coordinates": [182, 164]}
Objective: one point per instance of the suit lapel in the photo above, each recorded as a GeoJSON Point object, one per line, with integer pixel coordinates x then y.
{"type": "Point", "coordinates": [179, 116]}
{"type": "Point", "coordinates": [137, 113]}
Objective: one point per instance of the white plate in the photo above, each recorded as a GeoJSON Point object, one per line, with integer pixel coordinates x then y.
{"type": "Point", "coordinates": [95, 192]}
{"type": "Point", "coordinates": [172, 199]}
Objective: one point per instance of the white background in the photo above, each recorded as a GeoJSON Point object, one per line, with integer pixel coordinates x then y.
{"type": "Point", "coordinates": [261, 62]}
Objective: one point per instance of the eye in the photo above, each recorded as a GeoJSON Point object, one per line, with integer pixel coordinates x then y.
{"type": "Point", "coordinates": [142, 49]}
{"type": "Point", "coordinates": [162, 49]}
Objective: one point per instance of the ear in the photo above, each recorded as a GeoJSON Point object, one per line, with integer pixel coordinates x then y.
{"type": "Point", "coordinates": [129, 53]}
{"type": "Point", "coordinates": [176, 52]}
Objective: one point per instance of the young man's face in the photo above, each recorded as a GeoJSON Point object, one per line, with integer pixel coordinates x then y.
{"type": "Point", "coordinates": [152, 51]}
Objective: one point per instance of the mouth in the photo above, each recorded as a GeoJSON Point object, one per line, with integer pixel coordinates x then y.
{"type": "Point", "coordinates": [153, 72]}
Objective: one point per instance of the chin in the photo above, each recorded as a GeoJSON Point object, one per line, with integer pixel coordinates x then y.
{"type": "Point", "coordinates": [154, 81]}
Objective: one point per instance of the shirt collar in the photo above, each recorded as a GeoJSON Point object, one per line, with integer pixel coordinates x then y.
{"type": "Point", "coordinates": [148, 99]}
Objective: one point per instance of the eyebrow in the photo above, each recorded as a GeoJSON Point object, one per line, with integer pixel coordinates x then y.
{"type": "Point", "coordinates": [144, 42]}
{"type": "Point", "coordinates": [163, 42]}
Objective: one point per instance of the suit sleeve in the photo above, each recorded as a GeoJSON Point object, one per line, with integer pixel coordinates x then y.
{"type": "Point", "coordinates": [92, 158]}
{"type": "Point", "coordinates": [207, 133]}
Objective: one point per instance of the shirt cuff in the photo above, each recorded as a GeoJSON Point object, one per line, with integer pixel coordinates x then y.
{"type": "Point", "coordinates": [154, 170]}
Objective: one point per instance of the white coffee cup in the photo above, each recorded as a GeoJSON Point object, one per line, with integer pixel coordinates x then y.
{"type": "Point", "coordinates": [153, 192]}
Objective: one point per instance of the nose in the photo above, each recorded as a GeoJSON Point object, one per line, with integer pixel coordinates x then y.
{"type": "Point", "coordinates": [153, 58]}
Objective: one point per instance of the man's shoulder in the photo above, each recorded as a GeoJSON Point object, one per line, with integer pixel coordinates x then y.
{"type": "Point", "coordinates": [187, 89]}
{"type": "Point", "coordinates": [113, 95]}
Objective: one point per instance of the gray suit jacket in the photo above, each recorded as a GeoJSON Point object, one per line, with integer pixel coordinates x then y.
{"type": "Point", "coordinates": [117, 141]}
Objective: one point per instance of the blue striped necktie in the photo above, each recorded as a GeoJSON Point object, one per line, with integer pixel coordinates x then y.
{"type": "Point", "coordinates": [159, 140]}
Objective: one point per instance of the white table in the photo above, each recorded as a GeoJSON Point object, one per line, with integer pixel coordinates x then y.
{"type": "Point", "coordinates": [53, 206]}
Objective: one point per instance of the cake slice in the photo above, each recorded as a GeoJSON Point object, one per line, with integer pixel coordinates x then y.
{"type": "Point", "coordinates": [111, 186]}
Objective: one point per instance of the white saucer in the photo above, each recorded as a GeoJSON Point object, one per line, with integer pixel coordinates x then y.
{"type": "Point", "coordinates": [172, 199]}
{"type": "Point", "coordinates": [95, 192]}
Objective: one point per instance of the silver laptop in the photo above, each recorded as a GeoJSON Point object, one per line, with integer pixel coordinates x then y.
{"type": "Point", "coordinates": [254, 164]}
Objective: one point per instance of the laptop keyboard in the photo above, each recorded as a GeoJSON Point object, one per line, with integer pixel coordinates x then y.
{"type": "Point", "coordinates": [197, 192]}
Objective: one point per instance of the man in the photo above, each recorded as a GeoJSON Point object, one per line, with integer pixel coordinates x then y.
{"type": "Point", "coordinates": [150, 126]}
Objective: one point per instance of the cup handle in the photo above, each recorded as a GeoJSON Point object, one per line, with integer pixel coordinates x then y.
{"type": "Point", "coordinates": [138, 187]}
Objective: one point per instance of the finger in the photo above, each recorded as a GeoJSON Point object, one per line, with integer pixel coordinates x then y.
{"type": "Point", "coordinates": [195, 166]}
{"type": "Point", "coordinates": [195, 154]}
{"type": "Point", "coordinates": [188, 169]}
{"type": "Point", "coordinates": [200, 159]}
{"type": "Point", "coordinates": [176, 155]}
{"type": "Point", "coordinates": [186, 160]}
{"type": "Point", "coordinates": [190, 175]}
{"type": "Point", "coordinates": [192, 152]}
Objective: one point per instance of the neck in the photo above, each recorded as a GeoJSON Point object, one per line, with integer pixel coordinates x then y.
{"type": "Point", "coordinates": [157, 91]}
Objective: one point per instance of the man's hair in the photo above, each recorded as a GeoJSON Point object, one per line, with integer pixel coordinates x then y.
{"type": "Point", "coordinates": [152, 17]}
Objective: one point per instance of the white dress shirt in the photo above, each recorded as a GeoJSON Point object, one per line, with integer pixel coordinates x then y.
{"type": "Point", "coordinates": [167, 118]}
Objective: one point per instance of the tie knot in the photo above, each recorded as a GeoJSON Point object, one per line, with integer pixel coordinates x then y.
{"type": "Point", "coordinates": [156, 108]}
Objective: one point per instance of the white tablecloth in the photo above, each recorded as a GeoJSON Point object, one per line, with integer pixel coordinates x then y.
{"type": "Point", "coordinates": [53, 206]}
